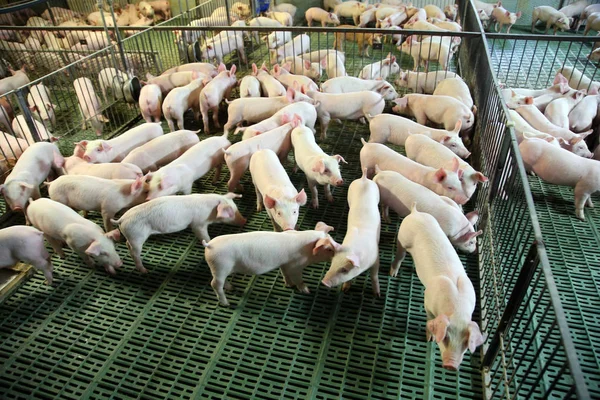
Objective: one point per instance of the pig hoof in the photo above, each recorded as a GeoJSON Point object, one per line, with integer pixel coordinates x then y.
{"type": "Point", "coordinates": [143, 270]}
{"type": "Point", "coordinates": [377, 294]}
{"type": "Point", "coordinates": [315, 204]}
{"type": "Point", "coordinates": [330, 199]}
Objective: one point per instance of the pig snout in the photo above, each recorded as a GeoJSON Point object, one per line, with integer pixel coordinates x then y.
{"type": "Point", "coordinates": [17, 208]}
{"type": "Point", "coordinates": [337, 182]}
{"type": "Point", "coordinates": [451, 366]}
{"type": "Point", "coordinates": [461, 199]}
{"type": "Point", "coordinates": [326, 283]}
{"type": "Point", "coordinates": [87, 158]}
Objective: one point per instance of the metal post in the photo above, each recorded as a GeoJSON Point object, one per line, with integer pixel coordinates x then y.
{"type": "Point", "coordinates": [516, 298]}
{"type": "Point", "coordinates": [227, 11]}
{"type": "Point", "coordinates": [27, 114]}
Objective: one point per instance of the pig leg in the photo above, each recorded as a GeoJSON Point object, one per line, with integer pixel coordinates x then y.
{"type": "Point", "coordinates": [581, 196]}
{"type": "Point", "coordinates": [346, 286]}
{"type": "Point", "coordinates": [106, 217]}
{"type": "Point", "coordinates": [217, 285]}
{"type": "Point", "coordinates": [171, 124]}
{"type": "Point", "coordinates": [180, 122]}
{"type": "Point", "coordinates": [385, 213]}
{"type": "Point", "coordinates": [201, 232]}
{"type": "Point", "coordinates": [147, 117]}
{"type": "Point", "coordinates": [294, 278]}
{"type": "Point", "coordinates": [135, 249]}
{"type": "Point", "coordinates": [216, 116]}
{"type": "Point", "coordinates": [400, 254]}
{"type": "Point", "coordinates": [45, 265]}
{"type": "Point", "coordinates": [324, 125]}
{"type": "Point", "coordinates": [312, 185]}
{"type": "Point", "coordinates": [82, 118]}
{"type": "Point", "coordinates": [57, 245]}
{"type": "Point", "coordinates": [36, 193]}
{"type": "Point", "coordinates": [589, 202]}
{"type": "Point", "coordinates": [420, 116]}
{"type": "Point", "coordinates": [259, 200]}
{"type": "Point", "coordinates": [328, 194]}
{"type": "Point", "coordinates": [217, 176]}
{"type": "Point", "coordinates": [375, 278]}
{"type": "Point", "coordinates": [204, 112]}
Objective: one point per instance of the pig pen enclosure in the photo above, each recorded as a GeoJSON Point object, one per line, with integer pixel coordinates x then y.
{"type": "Point", "coordinates": [163, 335]}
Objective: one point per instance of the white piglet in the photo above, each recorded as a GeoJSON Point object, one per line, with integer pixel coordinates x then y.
{"type": "Point", "coordinates": [31, 169]}
{"type": "Point", "coordinates": [298, 45]}
{"type": "Point", "coordinates": [319, 168]}
{"type": "Point", "coordinates": [427, 151]}
{"type": "Point", "coordinates": [249, 87]}
{"type": "Point", "coordinates": [449, 294]}
{"type": "Point", "coordinates": [558, 110]}
{"type": "Point", "coordinates": [25, 244]}
{"type": "Point", "coordinates": [214, 92]}
{"type": "Point", "coordinates": [275, 190]}
{"type": "Point", "coordinates": [90, 193]}
{"type": "Point", "coordinates": [150, 102]}
{"type": "Point", "coordinates": [360, 249]}
{"type": "Point", "coordinates": [40, 104]}
{"type": "Point", "coordinates": [348, 106]}
{"type": "Point", "coordinates": [173, 214]}
{"type": "Point", "coordinates": [260, 252]}
{"type": "Point", "coordinates": [389, 128]}
{"type": "Point", "coordinates": [399, 193]}
{"type": "Point", "coordinates": [89, 105]}
{"type": "Point", "coordinates": [180, 174]}
{"type": "Point", "coordinates": [443, 181]}
{"type": "Point", "coordinates": [382, 69]}
{"type": "Point", "coordinates": [270, 86]}
{"type": "Point", "coordinates": [443, 110]}
{"type": "Point", "coordinates": [105, 151]}
{"type": "Point", "coordinates": [61, 225]}
{"type": "Point", "coordinates": [322, 16]}
{"type": "Point", "coordinates": [162, 150]}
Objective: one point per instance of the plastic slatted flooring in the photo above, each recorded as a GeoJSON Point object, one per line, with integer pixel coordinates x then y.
{"type": "Point", "coordinates": [162, 335]}
{"type": "Point", "coordinates": [572, 245]}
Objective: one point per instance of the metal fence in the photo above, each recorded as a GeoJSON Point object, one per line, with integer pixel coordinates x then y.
{"type": "Point", "coordinates": [529, 352]}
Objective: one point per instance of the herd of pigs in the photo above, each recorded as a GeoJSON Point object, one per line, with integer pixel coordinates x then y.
{"type": "Point", "coordinates": [143, 170]}
{"type": "Point", "coordinates": [45, 49]}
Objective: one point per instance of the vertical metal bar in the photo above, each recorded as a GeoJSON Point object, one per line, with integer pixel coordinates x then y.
{"type": "Point", "coordinates": [27, 114]}
{"type": "Point", "coordinates": [515, 300]}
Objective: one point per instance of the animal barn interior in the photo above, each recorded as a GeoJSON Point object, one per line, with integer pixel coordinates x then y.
{"type": "Point", "coordinates": [299, 199]}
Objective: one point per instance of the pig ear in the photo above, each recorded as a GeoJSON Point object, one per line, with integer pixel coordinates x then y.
{"type": "Point", "coordinates": [339, 159]}
{"type": "Point", "coordinates": [106, 147]}
{"type": "Point", "coordinates": [402, 102]}
{"type": "Point", "coordinates": [306, 64]}
{"type": "Point", "coordinates": [301, 198]}
{"type": "Point", "coordinates": [33, 108]}
{"type": "Point", "coordinates": [94, 249]}
{"type": "Point", "coordinates": [297, 120]}
{"type": "Point", "coordinates": [393, 59]}
{"type": "Point", "coordinates": [559, 78]}
{"type": "Point", "coordinates": [232, 70]}
{"type": "Point", "coordinates": [303, 89]}
{"type": "Point", "coordinates": [353, 259]}
{"type": "Point", "coordinates": [593, 91]}
{"type": "Point", "coordinates": [324, 63]}
{"type": "Point", "coordinates": [473, 217]}
{"type": "Point", "coordinates": [438, 327]}
{"type": "Point", "coordinates": [296, 86]}
{"type": "Point", "coordinates": [586, 134]}
{"type": "Point", "coordinates": [264, 67]}
{"type": "Point", "coordinates": [529, 100]}
{"type": "Point", "coordinates": [254, 69]}
{"type": "Point", "coordinates": [276, 70]}
{"type": "Point", "coordinates": [474, 336]}
{"type": "Point", "coordinates": [575, 140]}
{"type": "Point", "coordinates": [319, 166]}
{"type": "Point", "coordinates": [318, 245]}
{"type": "Point", "coordinates": [287, 66]}
{"type": "Point", "coordinates": [519, 14]}
{"type": "Point", "coordinates": [221, 68]}
{"type": "Point", "coordinates": [455, 164]}
{"type": "Point", "coordinates": [457, 126]}
{"type": "Point", "coordinates": [290, 94]}
{"type": "Point", "coordinates": [322, 226]}
{"type": "Point", "coordinates": [113, 235]}
{"type": "Point", "coordinates": [225, 211]}
{"type": "Point", "coordinates": [82, 143]}
{"type": "Point", "coordinates": [478, 176]}
{"type": "Point", "coordinates": [440, 175]}
{"type": "Point", "coordinates": [507, 13]}
{"type": "Point", "coordinates": [137, 185]}
{"type": "Point", "coordinates": [25, 186]}
{"type": "Point", "coordinates": [269, 201]}
{"type": "Point", "coordinates": [285, 118]}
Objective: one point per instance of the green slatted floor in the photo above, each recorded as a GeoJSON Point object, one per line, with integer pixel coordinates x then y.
{"type": "Point", "coordinates": [572, 246]}
{"type": "Point", "coordinates": [162, 335]}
